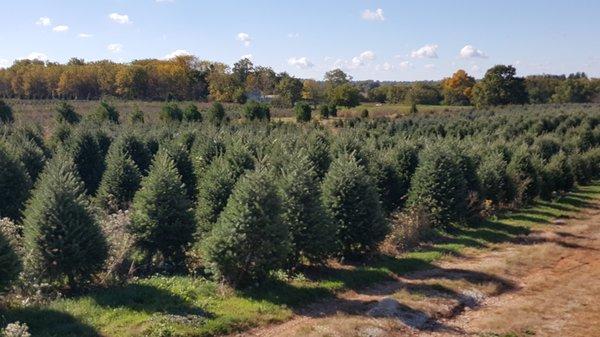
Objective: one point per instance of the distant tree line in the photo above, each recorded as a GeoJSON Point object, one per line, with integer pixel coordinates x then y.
{"type": "Point", "coordinates": [188, 78]}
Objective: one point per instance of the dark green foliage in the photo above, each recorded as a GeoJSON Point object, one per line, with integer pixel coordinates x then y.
{"type": "Point", "coordinates": [62, 132]}
{"type": "Point", "coordinates": [364, 113]}
{"type": "Point", "coordinates": [249, 239]}
{"type": "Point", "coordinates": [216, 114]}
{"type": "Point", "coordinates": [324, 111]}
{"type": "Point", "coordinates": [556, 176]}
{"type": "Point", "coordinates": [65, 113]}
{"type": "Point", "coordinates": [547, 146]}
{"type": "Point", "coordinates": [256, 111]}
{"type": "Point", "coordinates": [137, 116]}
{"type": "Point", "coordinates": [312, 234]}
{"type": "Point", "coordinates": [438, 186]}
{"type": "Point", "coordinates": [192, 114]}
{"type": "Point", "coordinates": [9, 263]}
{"type": "Point", "coordinates": [332, 110]}
{"type": "Point", "coordinates": [105, 112]}
{"type": "Point", "coordinates": [29, 154]}
{"type": "Point", "coordinates": [120, 181]}
{"type": "Point", "coordinates": [500, 86]}
{"type": "Point", "coordinates": [183, 162]}
{"type": "Point", "coordinates": [350, 200]}
{"type": "Point", "coordinates": [303, 112]}
{"type": "Point", "coordinates": [413, 108]}
{"type": "Point", "coordinates": [215, 186]}
{"type": "Point", "coordinates": [132, 145]}
{"type": "Point", "coordinates": [14, 184]}
{"type": "Point", "coordinates": [161, 218]}
{"type": "Point", "coordinates": [493, 179]}
{"type": "Point", "coordinates": [380, 168]}
{"type": "Point", "coordinates": [317, 150]}
{"type": "Point", "coordinates": [83, 147]}
{"type": "Point", "coordinates": [63, 242]}
{"type": "Point", "coordinates": [523, 175]}
{"type": "Point", "coordinates": [583, 168]}
{"type": "Point", "coordinates": [404, 158]}
{"type": "Point", "coordinates": [203, 151]}
{"type": "Point", "coordinates": [170, 112]}
{"type": "Point", "coordinates": [6, 113]}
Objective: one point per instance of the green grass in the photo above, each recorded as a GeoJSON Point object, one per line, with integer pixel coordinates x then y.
{"type": "Point", "coordinates": [187, 306]}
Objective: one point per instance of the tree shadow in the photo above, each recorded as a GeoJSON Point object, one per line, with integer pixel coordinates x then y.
{"type": "Point", "coordinates": [47, 322]}
{"type": "Point", "coordinates": [145, 298]}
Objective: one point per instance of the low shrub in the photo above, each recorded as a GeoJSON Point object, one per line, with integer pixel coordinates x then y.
{"type": "Point", "coordinates": [302, 111]}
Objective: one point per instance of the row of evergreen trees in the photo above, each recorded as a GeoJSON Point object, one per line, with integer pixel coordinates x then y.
{"type": "Point", "coordinates": [240, 201]}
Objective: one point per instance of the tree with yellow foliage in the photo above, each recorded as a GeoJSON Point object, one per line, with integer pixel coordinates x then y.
{"type": "Point", "coordinates": [457, 89]}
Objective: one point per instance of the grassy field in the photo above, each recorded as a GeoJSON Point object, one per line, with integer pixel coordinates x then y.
{"type": "Point", "coordinates": [186, 306]}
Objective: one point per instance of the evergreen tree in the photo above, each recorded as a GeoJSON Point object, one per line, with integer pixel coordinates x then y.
{"type": "Point", "coordinates": [62, 240]}
{"type": "Point", "coordinates": [65, 113]}
{"type": "Point", "coordinates": [9, 263]}
{"type": "Point", "coordinates": [350, 199]}
{"type": "Point", "coordinates": [493, 178]}
{"type": "Point", "coordinates": [88, 156]}
{"type": "Point", "coordinates": [523, 175]}
{"type": "Point", "coordinates": [192, 114]}
{"type": "Point", "coordinates": [29, 154]}
{"type": "Point", "coordinates": [312, 234]}
{"type": "Point", "coordinates": [404, 158]}
{"type": "Point", "coordinates": [216, 114]}
{"type": "Point", "coordinates": [170, 112]}
{"type": "Point", "coordinates": [137, 116]}
{"type": "Point", "coordinates": [214, 188]}
{"type": "Point", "coordinates": [6, 113]}
{"type": "Point", "coordinates": [249, 239]}
{"type": "Point", "coordinates": [303, 112]}
{"type": "Point", "coordinates": [14, 184]}
{"type": "Point", "coordinates": [438, 185]}
{"type": "Point", "coordinates": [183, 162]}
{"type": "Point", "coordinates": [132, 145]}
{"type": "Point", "coordinates": [105, 112]}
{"type": "Point", "coordinates": [120, 181]}
{"type": "Point", "coordinates": [161, 219]}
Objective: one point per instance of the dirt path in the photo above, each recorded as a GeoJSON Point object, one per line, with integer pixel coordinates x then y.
{"type": "Point", "coordinates": [547, 286]}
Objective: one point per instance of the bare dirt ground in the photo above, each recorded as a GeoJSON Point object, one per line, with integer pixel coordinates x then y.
{"type": "Point", "coordinates": [546, 285]}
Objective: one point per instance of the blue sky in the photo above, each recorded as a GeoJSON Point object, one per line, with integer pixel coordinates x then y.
{"type": "Point", "coordinates": [385, 40]}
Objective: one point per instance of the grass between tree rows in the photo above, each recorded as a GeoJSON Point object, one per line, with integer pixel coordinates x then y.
{"type": "Point", "coordinates": [189, 306]}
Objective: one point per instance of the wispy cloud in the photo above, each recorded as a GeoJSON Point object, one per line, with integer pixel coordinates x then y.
{"type": "Point", "coordinates": [84, 35]}
{"type": "Point", "coordinates": [300, 62]}
{"type": "Point", "coordinates": [43, 21]}
{"type": "Point", "coordinates": [120, 18]}
{"type": "Point", "coordinates": [60, 28]}
{"type": "Point", "coordinates": [244, 38]}
{"type": "Point", "coordinates": [115, 47]}
{"type": "Point", "coordinates": [37, 56]}
{"type": "Point", "coordinates": [376, 15]}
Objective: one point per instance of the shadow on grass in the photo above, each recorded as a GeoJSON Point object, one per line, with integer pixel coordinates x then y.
{"type": "Point", "coordinates": [48, 323]}
{"type": "Point", "coordinates": [145, 298]}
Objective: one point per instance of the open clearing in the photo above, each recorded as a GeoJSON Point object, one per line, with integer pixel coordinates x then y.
{"type": "Point", "coordinates": [544, 284]}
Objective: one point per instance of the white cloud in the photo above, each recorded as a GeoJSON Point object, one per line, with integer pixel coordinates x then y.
{"type": "Point", "coordinates": [427, 51]}
{"type": "Point", "coordinates": [244, 38]}
{"type": "Point", "coordinates": [293, 35]}
{"type": "Point", "coordinates": [469, 51]}
{"type": "Point", "coordinates": [4, 63]}
{"type": "Point", "coordinates": [37, 56]}
{"type": "Point", "coordinates": [119, 18]}
{"type": "Point", "coordinates": [363, 58]}
{"type": "Point", "coordinates": [84, 35]}
{"type": "Point", "coordinates": [61, 28]}
{"type": "Point", "coordinates": [376, 15]}
{"type": "Point", "coordinates": [405, 65]}
{"type": "Point", "coordinates": [247, 56]}
{"type": "Point", "coordinates": [178, 52]}
{"type": "Point", "coordinates": [386, 66]}
{"type": "Point", "coordinates": [300, 62]}
{"type": "Point", "coordinates": [43, 21]}
{"type": "Point", "coordinates": [115, 47]}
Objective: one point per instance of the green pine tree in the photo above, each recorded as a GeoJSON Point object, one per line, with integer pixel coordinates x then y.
{"type": "Point", "coordinates": [249, 239]}
{"type": "Point", "coordinates": [350, 199]}
{"type": "Point", "coordinates": [88, 156]}
{"type": "Point", "coordinates": [161, 219]}
{"type": "Point", "coordinates": [312, 234]}
{"type": "Point", "coordinates": [9, 263]}
{"type": "Point", "coordinates": [120, 181]}
{"type": "Point", "coordinates": [14, 184]}
{"type": "Point", "coordinates": [63, 242]}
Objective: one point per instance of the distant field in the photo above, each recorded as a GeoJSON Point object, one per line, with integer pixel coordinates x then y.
{"type": "Point", "coordinates": [41, 111]}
